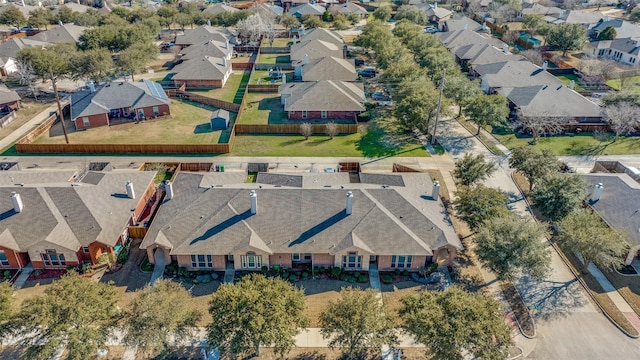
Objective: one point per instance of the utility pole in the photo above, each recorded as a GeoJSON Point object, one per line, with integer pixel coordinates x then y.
{"type": "Point", "coordinates": [435, 128]}
{"type": "Point", "coordinates": [54, 80]}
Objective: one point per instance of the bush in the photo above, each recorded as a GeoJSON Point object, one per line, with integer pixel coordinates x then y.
{"type": "Point", "coordinates": [305, 275]}
{"type": "Point", "coordinates": [405, 272]}
{"type": "Point", "coordinates": [396, 271]}
{"type": "Point", "coordinates": [108, 258]}
{"type": "Point", "coordinates": [336, 271]}
{"type": "Point", "coordinates": [264, 269]}
{"type": "Point", "coordinates": [431, 268]}
{"type": "Point", "coordinates": [215, 276]}
{"type": "Point", "coordinates": [316, 270]}
{"type": "Point", "coordinates": [298, 273]}
{"type": "Point", "coordinates": [387, 279]}
{"type": "Point", "coordinates": [292, 278]}
{"type": "Point", "coordinates": [7, 274]}
{"type": "Point", "coordinates": [362, 279]}
{"type": "Point", "coordinates": [195, 281]}
{"type": "Point", "coordinates": [182, 271]}
{"type": "Point", "coordinates": [123, 256]}
{"type": "Point", "coordinates": [146, 266]}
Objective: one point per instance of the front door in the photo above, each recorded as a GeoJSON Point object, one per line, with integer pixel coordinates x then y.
{"type": "Point", "coordinates": [373, 259]}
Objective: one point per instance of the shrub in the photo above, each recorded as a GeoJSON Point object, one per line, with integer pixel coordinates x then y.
{"type": "Point", "coordinates": [305, 275]}
{"type": "Point", "coordinates": [215, 276]}
{"type": "Point", "coordinates": [387, 279]}
{"type": "Point", "coordinates": [123, 256]}
{"type": "Point", "coordinates": [335, 271]}
{"type": "Point", "coordinates": [108, 258]}
{"type": "Point", "coordinates": [431, 268]}
{"type": "Point", "coordinates": [182, 271]}
{"type": "Point", "coordinates": [292, 278]}
{"type": "Point", "coordinates": [362, 279]}
{"type": "Point", "coordinates": [7, 274]}
{"type": "Point", "coordinates": [206, 280]}
{"type": "Point", "coordinates": [264, 269]}
{"type": "Point", "coordinates": [298, 273]}
{"type": "Point", "coordinates": [195, 281]}
{"type": "Point", "coordinates": [396, 271]}
{"type": "Point", "coordinates": [405, 272]}
{"type": "Point", "coordinates": [244, 273]}
{"type": "Point", "coordinates": [316, 270]}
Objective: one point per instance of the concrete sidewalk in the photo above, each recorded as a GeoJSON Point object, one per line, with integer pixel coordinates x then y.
{"type": "Point", "coordinates": [22, 130]}
{"type": "Point", "coordinates": [22, 278]}
{"type": "Point", "coordinates": [158, 268]}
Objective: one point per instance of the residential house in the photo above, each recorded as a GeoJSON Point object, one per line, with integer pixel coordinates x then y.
{"type": "Point", "coordinates": [617, 204]}
{"type": "Point", "coordinates": [325, 68]}
{"type": "Point", "coordinates": [9, 52]}
{"type": "Point", "coordinates": [454, 39]}
{"type": "Point", "coordinates": [624, 29]}
{"type": "Point", "coordinates": [205, 33]}
{"type": "Point", "coordinates": [626, 51]}
{"type": "Point", "coordinates": [118, 101]}
{"type": "Point", "coordinates": [323, 34]}
{"type": "Point", "coordinates": [434, 13]}
{"type": "Point", "coordinates": [512, 74]}
{"type": "Point", "coordinates": [323, 99]}
{"type": "Point", "coordinates": [219, 9]}
{"type": "Point", "coordinates": [211, 48]}
{"type": "Point", "coordinates": [314, 49]}
{"type": "Point", "coordinates": [583, 17]}
{"type": "Point", "coordinates": [462, 23]}
{"type": "Point", "coordinates": [312, 219]}
{"type": "Point", "coordinates": [289, 4]}
{"type": "Point", "coordinates": [533, 8]}
{"type": "Point", "coordinates": [8, 65]}
{"type": "Point", "coordinates": [59, 218]}
{"type": "Point", "coordinates": [552, 101]}
{"type": "Point", "coordinates": [347, 9]}
{"type": "Point", "coordinates": [25, 10]}
{"type": "Point", "coordinates": [307, 9]}
{"type": "Point", "coordinates": [267, 11]}
{"type": "Point", "coordinates": [67, 33]}
{"type": "Point", "coordinates": [9, 99]}
{"type": "Point", "coordinates": [202, 72]}
{"type": "Point", "coordinates": [471, 55]}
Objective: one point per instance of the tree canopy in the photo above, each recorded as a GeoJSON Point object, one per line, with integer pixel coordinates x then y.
{"type": "Point", "coordinates": [487, 110]}
{"type": "Point", "coordinates": [509, 244]}
{"type": "Point", "coordinates": [472, 168]}
{"type": "Point", "coordinates": [382, 13]}
{"type": "Point", "coordinates": [6, 301]}
{"type": "Point", "coordinates": [357, 321]}
{"type": "Point", "coordinates": [256, 310]}
{"type": "Point", "coordinates": [567, 36]}
{"type": "Point", "coordinates": [586, 234]}
{"type": "Point", "coordinates": [609, 33]}
{"type": "Point", "coordinates": [559, 195]}
{"type": "Point", "coordinates": [475, 205]}
{"type": "Point", "coordinates": [533, 163]}
{"type": "Point", "coordinates": [13, 16]}
{"type": "Point", "coordinates": [454, 322]}
{"type": "Point", "coordinates": [74, 312]}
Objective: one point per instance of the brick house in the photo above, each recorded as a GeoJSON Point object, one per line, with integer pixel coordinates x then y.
{"type": "Point", "coordinates": [9, 99]}
{"type": "Point", "coordinates": [203, 72]}
{"type": "Point", "coordinates": [324, 99]}
{"type": "Point", "coordinates": [205, 33]}
{"type": "Point", "coordinates": [77, 218]}
{"type": "Point", "coordinates": [290, 219]}
{"type": "Point", "coordinates": [120, 101]}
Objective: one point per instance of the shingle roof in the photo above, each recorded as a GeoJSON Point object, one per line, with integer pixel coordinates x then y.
{"type": "Point", "coordinates": [60, 34]}
{"type": "Point", "coordinates": [535, 8]}
{"type": "Point", "coordinates": [314, 49]}
{"type": "Point", "coordinates": [551, 101]}
{"type": "Point", "coordinates": [325, 35]}
{"type": "Point", "coordinates": [322, 95]}
{"type": "Point", "coordinates": [203, 34]}
{"type": "Point", "coordinates": [219, 8]}
{"type": "Point", "coordinates": [65, 215]}
{"type": "Point", "coordinates": [12, 47]}
{"type": "Point", "coordinates": [459, 23]}
{"type": "Point", "coordinates": [454, 39]}
{"type": "Point", "coordinates": [347, 9]}
{"type": "Point", "coordinates": [488, 54]}
{"type": "Point", "coordinates": [7, 96]}
{"type": "Point", "coordinates": [328, 68]}
{"type": "Point", "coordinates": [117, 95]}
{"type": "Point", "coordinates": [200, 220]}
{"type": "Point", "coordinates": [220, 113]}
{"type": "Point", "coordinates": [307, 9]}
{"type": "Point", "coordinates": [202, 68]}
{"type": "Point", "coordinates": [515, 74]}
{"type": "Point", "coordinates": [627, 46]}
{"type": "Point", "coordinates": [210, 48]}
{"type": "Point", "coordinates": [624, 29]}
{"type": "Point", "coordinates": [268, 11]}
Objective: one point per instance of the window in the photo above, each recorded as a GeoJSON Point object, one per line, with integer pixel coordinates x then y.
{"type": "Point", "coordinates": [295, 257]}
{"type": "Point", "coordinates": [251, 261]}
{"type": "Point", "coordinates": [323, 114]}
{"type": "Point", "coordinates": [304, 114]}
{"type": "Point", "coordinates": [401, 261]}
{"type": "Point", "coordinates": [3, 259]}
{"type": "Point", "coordinates": [52, 258]}
{"type": "Point", "coordinates": [291, 113]}
{"type": "Point", "coordinates": [352, 260]}
{"type": "Point", "coordinates": [85, 249]}
{"type": "Point", "coordinates": [201, 261]}
{"type": "Point", "coordinates": [85, 121]}
{"type": "Point", "coordinates": [156, 112]}
{"type": "Point", "coordinates": [307, 257]}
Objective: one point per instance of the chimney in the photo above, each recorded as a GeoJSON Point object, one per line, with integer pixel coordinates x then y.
{"type": "Point", "coordinates": [349, 208]}
{"type": "Point", "coordinates": [92, 86]}
{"type": "Point", "coordinates": [305, 59]}
{"type": "Point", "coordinates": [168, 189]}
{"type": "Point", "coordinates": [254, 202]}
{"type": "Point", "coordinates": [130, 193]}
{"type": "Point", "coordinates": [545, 64]}
{"type": "Point", "coordinates": [466, 26]}
{"type": "Point", "coordinates": [505, 48]}
{"type": "Point", "coordinates": [597, 191]}
{"type": "Point", "coordinates": [436, 190]}
{"type": "Point", "coordinates": [284, 78]}
{"type": "Point", "coordinates": [16, 200]}
{"type": "Point", "coordinates": [227, 43]}
{"type": "Point", "coordinates": [224, 61]}
{"type": "Point", "coordinates": [572, 84]}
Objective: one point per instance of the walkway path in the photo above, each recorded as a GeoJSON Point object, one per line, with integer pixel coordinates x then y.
{"type": "Point", "coordinates": [22, 130]}
{"type": "Point", "coordinates": [22, 278]}
{"type": "Point", "coordinates": [160, 264]}
{"type": "Point", "coordinates": [229, 274]}
{"type": "Point", "coordinates": [615, 296]}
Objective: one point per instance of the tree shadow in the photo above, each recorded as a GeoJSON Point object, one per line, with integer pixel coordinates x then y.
{"type": "Point", "coordinates": [551, 299]}
{"type": "Point", "coordinates": [310, 356]}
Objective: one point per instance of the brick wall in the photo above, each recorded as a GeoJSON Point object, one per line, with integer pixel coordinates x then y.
{"type": "Point", "coordinates": [325, 260]}
{"type": "Point", "coordinates": [13, 258]}
{"type": "Point", "coordinates": [199, 83]}
{"type": "Point", "coordinates": [148, 111]}
{"type": "Point", "coordinates": [284, 260]}
{"type": "Point", "coordinates": [94, 120]}
{"type": "Point", "coordinates": [317, 115]}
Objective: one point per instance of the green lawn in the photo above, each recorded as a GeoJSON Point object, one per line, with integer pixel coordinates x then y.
{"type": "Point", "coordinates": [274, 59]}
{"type": "Point", "coordinates": [278, 42]}
{"type": "Point", "coordinates": [566, 79]}
{"type": "Point", "coordinates": [231, 92]}
{"type": "Point", "coordinates": [583, 144]}
{"type": "Point", "coordinates": [263, 109]}
{"type": "Point", "coordinates": [262, 76]}
{"type": "Point", "coordinates": [630, 83]}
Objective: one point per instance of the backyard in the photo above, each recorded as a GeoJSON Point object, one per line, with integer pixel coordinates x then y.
{"type": "Point", "coordinates": [263, 109]}
{"type": "Point", "coordinates": [630, 83]}
{"type": "Point", "coordinates": [274, 59]}
{"type": "Point", "coordinates": [232, 91]}
{"type": "Point", "coordinates": [188, 124]}
{"type": "Point", "coordinates": [277, 42]}
{"type": "Point", "coordinates": [580, 144]}
{"type": "Point", "coordinates": [28, 110]}
{"type": "Point", "coordinates": [263, 77]}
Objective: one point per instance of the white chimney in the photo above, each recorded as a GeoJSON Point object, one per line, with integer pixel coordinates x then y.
{"type": "Point", "coordinates": [505, 48]}
{"type": "Point", "coordinates": [436, 190]}
{"type": "Point", "coordinates": [254, 202]}
{"type": "Point", "coordinates": [168, 189]}
{"type": "Point", "coordinates": [305, 59]}
{"type": "Point", "coordinates": [349, 208]}
{"type": "Point", "coordinates": [545, 64]}
{"type": "Point", "coordinates": [224, 62]}
{"type": "Point", "coordinates": [572, 84]}
{"type": "Point", "coordinates": [597, 192]}
{"type": "Point", "coordinates": [16, 200]}
{"type": "Point", "coordinates": [130, 193]}
{"type": "Point", "coordinates": [466, 26]}
{"type": "Point", "coordinates": [92, 86]}
{"type": "Point", "coordinates": [284, 78]}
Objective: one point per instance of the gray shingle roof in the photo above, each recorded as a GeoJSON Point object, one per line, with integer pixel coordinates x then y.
{"type": "Point", "coordinates": [117, 95]}
{"type": "Point", "coordinates": [279, 179]}
{"type": "Point", "coordinates": [381, 179]}
{"type": "Point", "coordinates": [454, 39]}
{"type": "Point", "coordinates": [628, 46]}
{"type": "Point", "coordinates": [12, 47]}
{"type": "Point", "coordinates": [205, 33]}
{"type": "Point", "coordinates": [347, 9]}
{"type": "Point", "coordinates": [323, 95]}
{"type": "Point", "coordinates": [199, 220]}
{"type": "Point", "coordinates": [624, 29]}
{"type": "Point", "coordinates": [314, 49]}
{"type": "Point", "coordinates": [60, 34]}
{"type": "Point", "coordinates": [515, 74]}
{"type": "Point", "coordinates": [459, 23]}
{"type": "Point", "coordinates": [210, 48]}
{"type": "Point", "coordinates": [219, 8]}
{"type": "Point", "coordinates": [307, 9]}
{"type": "Point", "coordinates": [325, 35]}
{"type": "Point", "coordinates": [488, 54]}
{"type": "Point", "coordinates": [328, 68]}
{"type": "Point", "coordinates": [202, 68]}
{"type": "Point", "coordinates": [7, 96]}
{"type": "Point", "coordinates": [551, 101]}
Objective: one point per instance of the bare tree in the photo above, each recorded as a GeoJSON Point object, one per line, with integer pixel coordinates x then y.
{"type": "Point", "coordinates": [251, 28]}
{"type": "Point", "coordinates": [331, 129]}
{"type": "Point", "coordinates": [306, 130]}
{"type": "Point", "coordinates": [624, 118]}
{"type": "Point", "coordinates": [540, 125]}
{"type": "Point", "coordinates": [270, 31]}
{"type": "Point", "coordinates": [606, 68]}
{"type": "Point", "coordinates": [534, 56]}
{"type": "Point", "coordinates": [510, 37]}
{"type": "Point", "coordinates": [26, 76]}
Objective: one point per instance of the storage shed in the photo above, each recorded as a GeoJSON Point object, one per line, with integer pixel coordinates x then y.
{"type": "Point", "coordinates": [220, 120]}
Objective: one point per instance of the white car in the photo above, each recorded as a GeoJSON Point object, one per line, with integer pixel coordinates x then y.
{"type": "Point", "coordinates": [431, 29]}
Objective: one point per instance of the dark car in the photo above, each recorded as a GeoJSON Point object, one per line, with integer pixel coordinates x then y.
{"type": "Point", "coordinates": [359, 62]}
{"type": "Point", "coordinates": [368, 73]}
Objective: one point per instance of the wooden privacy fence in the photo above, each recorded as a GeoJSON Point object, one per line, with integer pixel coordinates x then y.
{"type": "Point", "coordinates": [184, 95]}
{"type": "Point", "coordinates": [137, 232]}
{"type": "Point", "coordinates": [275, 50]}
{"type": "Point", "coordinates": [195, 166]}
{"type": "Point", "coordinates": [125, 148]}
{"type": "Point", "coordinates": [41, 129]}
{"type": "Point", "coordinates": [266, 66]}
{"type": "Point", "coordinates": [263, 88]}
{"type": "Point", "coordinates": [241, 66]}
{"type": "Point", "coordinates": [290, 129]}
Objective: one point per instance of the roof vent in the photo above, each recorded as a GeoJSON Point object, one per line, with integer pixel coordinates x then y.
{"type": "Point", "coordinates": [253, 196]}
{"type": "Point", "coordinates": [130, 192]}
{"type": "Point", "coordinates": [597, 192]}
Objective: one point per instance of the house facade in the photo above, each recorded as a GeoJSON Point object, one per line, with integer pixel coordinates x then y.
{"type": "Point", "coordinates": [248, 226]}
{"type": "Point", "coordinates": [626, 51]}
{"type": "Point", "coordinates": [9, 100]}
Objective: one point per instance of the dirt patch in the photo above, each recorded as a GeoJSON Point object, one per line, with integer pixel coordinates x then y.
{"type": "Point", "coordinates": [200, 301]}
{"type": "Point", "coordinates": [178, 353]}
{"type": "Point", "coordinates": [318, 293]}
{"type": "Point", "coordinates": [519, 308]}
{"type": "Point", "coordinates": [331, 354]}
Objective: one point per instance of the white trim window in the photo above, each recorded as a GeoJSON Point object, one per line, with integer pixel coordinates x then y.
{"type": "Point", "coordinates": [401, 261]}
{"type": "Point", "coordinates": [323, 114]}
{"type": "Point", "coordinates": [251, 261]}
{"type": "Point", "coordinates": [52, 258]}
{"type": "Point", "coordinates": [3, 259]}
{"type": "Point", "coordinates": [85, 121]}
{"type": "Point", "coordinates": [295, 257]}
{"type": "Point", "coordinates": [201, 261]}
{"type": "Point", "coordinates": [304, 114]}
{"type": "Point", "coordinates": [352, 261]}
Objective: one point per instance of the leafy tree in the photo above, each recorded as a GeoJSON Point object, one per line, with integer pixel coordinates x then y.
{"type": "Point", "coordinates": [158, 312]}
{"type": "Point", "coordinates": [133, 59]}
{"type": "Point", "coordinates": [357, 321]}
{"type": "Point", "coordinates": [256, 310]}
{"type": "Point", "coordinates": [354, 18]}
{"type": "Point", "coordinates": [508, 244]}
{"type": "Point", "coordinates": [609, 33]}
{"type": "Point", "coordinates": [412, 14]}
{"type": "Point", "coordinates": [453, 323]}
{"type": "Point", "coordinates": [472, 168]}
{"type": "Point", "coordinates": [167, 14]}
{"type": "Point", "coordinates": [585, 233]}
{"type": "Point", "coordinates": [622, 117]}
{"type": "Point", "coordinates": [90, 17]}
{"type": "Point", "coordinates": [12, 16]}
{"type": "Point", "coordinates": [288, 21]}
{"type": "Point", "coordinates": [382, 13]}
{"type": "Point", "coordinates": [306, 130]}
{"type": "Point", "coordinates": [74, 312]}
{"type": "Point", "coordinates": [461, 90]}
{"type": "Point", "coordinates": [625, 96]}
{"type": "Point", "coordinates": [533, 22]}
{"type": "Point", "coordinates": [559, 195]}
{"type": "Point", "coordinates": [122, 12]}
{"type": "Point", "coordinates": [41, 17]}
{"type": "Point", "coordinates": [417, 105]}
{"type": "Point", "coordinates": [51, 63]}
{"type": "Point", "coordinates": [487, 110]}
{"type": "Point", "coordinates": [6, 301]}
{"type": "Point", "coordinates": [183, 20]}
{"type": "Point", "coordinates": [94, 64]}
{"type": "Point", "coordinates": [533, 164]}
{"type": "Point", "coordinates": [635, 14]}
{"type": "Point", "coordinates": [311, 21]}
{"type": "Point", "coordinates": [476, 205]}
{"type": "Point", "coordinates": [65, 15]}
{"type": "Point", "coordinates": [567, 37]}
{"type": "Point", "coordinates": [340, 22]}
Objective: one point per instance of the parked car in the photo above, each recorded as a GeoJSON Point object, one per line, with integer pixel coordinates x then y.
{"type": "Point", "coordinates": [431, 29]}
{"type": "Point", "coordinates": [368, 73]}
{"type": "Point", "coordinates": [26, 28]}
{"type": "Point", "coordinates": [379, 96]}
{"type": "Point", "coordinates": [358, 62]}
